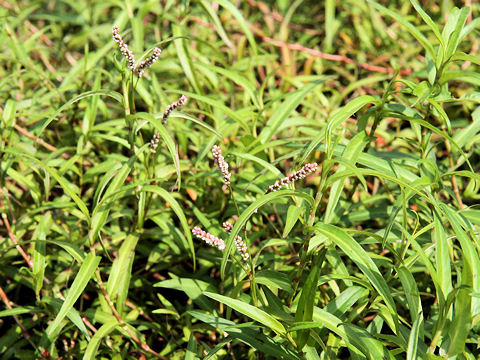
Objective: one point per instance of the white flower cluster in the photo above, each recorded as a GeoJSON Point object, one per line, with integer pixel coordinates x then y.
{"type": "Point", "coordinates": [123, 47]}
{"type": "Point", "coordinates": [241, 246]}
{"type": "Point", "coordinates": [300, 174]}
{"type": "Point", "coordinates": [154, 143]}
{"type": "Point", "coordinates": [210, 239]}
{"type": "Point", "coordinates": [180, 102]}
{"type": "Point", "coordinates": [221, 164]}
{"type": "Point", "coordinates": [145, 64]}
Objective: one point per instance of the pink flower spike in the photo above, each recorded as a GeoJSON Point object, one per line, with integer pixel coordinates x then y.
{"type": "Point", "coordinates": [145, 64]}
{"type": "Point", "coordinates": [123, 47]}
{"type": "Point", "coordinates": [210, 239]}
{"type": "Point", "coordinates": [300, 174]}
{"type": "Point", "coordinates": [221, 164]}
{"type": "Point", "coordinates": [179, 103]}
{"type": "Point", "coordinates": [241, 246]}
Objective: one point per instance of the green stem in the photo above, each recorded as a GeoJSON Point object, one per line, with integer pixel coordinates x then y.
{"type": "Point", "coordinates": [311, 220]}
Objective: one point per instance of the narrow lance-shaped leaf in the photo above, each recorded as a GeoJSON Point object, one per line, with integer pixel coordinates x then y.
{"type": "Point", "coordinates": [284, 110]}
{"type": "Point", "coordinates": [90, 264]}
{"type": "Point", "coordinates": [252, 312]}
{"type": "Point", "coordinates": [359, 256]}
{"type": "Point", "coordinates": [307, 300]}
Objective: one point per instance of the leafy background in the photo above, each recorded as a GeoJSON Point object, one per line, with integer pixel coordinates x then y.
{"type": "Point", "coordinates": [373, 256]}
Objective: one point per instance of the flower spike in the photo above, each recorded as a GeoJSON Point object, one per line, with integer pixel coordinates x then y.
{"type": "Point", "coordinates": [221, 164]}
{"type": "Point", "coordinates": [300, 174]}
{"type": "Point", "coordinates": [241, 246]}
{"type": "Point", "coordinates": [210, 239]}
{"type": "Point", "coordinates": [123, 47]}
{"type": "Point", "coordinates": [179, 103]}
{"type": "Point", "coordinates": [145, 64]}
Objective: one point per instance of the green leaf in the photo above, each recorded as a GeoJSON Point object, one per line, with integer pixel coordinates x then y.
{"type": "Point", "coordinates": [428, 20]}
{"type": "Point", "coordinates": [352, 151]}
{"type": "Point", "coordinates": [216, 21]}
{"type": "Point", "coordinates": [156, 123]}
{"type": "Point", "coordinates": [194, 289]}
{"type": "Point", "coordinates": [453, 40]}
{"type": "Point", "coordinates": [360, 257]}
{"type": "Point", "coordinates": [66, 186]}
{"type": "Point", "coordinates": [413, 298]}
{"type": "Point", "coordinates": [442, 256]}
{"type": "Point", "coordinates": [176, 114]}
{"type": "Point", "coordinates": [243, 218]}
{"type": "Point", "coordinates": [103, 208]}
{"type": "Point", "coordinates": [94, 343]}
{"type": "Point", "coordinates": [307, 301]}
{"type": "Point", "coordinates": [251, 311]}
{"type": "Point", "coordinates": [294, 211]}
{"type": "Point", "coordinates": [40, 251]}
{"type": "Point", "coordinates": [274, 279]}
{"type": "Point", "coordinates": [113, 94]}
{"type": "Point", "coordinates": [240, 80]}
{"type": "Point", "coordinates": [72, 314]}
{"type": "Point", "coordinates": [184, 57]}
{"type": "Point", "coordinates": [243, 24]}
{"type": "Point", "coordinates": [343, 114]}
{"type": "Point", "coordinates": [354, 336]}
{"type": "Point", "coordinates": [284, 110]}
{"type": "Point", "coordinates": [248, 335]}
{"type": "Point", "coordinates": [84, 275]}
{"type": "Point", "coordinates": [119, 279]}
{"type": "Point", "coordinates": [177, 209]}
{"type": "Point", "coordinates": [191, 352]}
{"type": "Point", "coordinates": [217, 105]}
{"type": "Point", "coordinates": [18, 311]}
{"type": "Point", "coordinates": [414, 336]}
{"type": "Point", "coordinates": [407, 25]}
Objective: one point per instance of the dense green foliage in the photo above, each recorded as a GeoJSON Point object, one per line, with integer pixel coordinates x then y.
{"type": "Point", "coordinates": [373, 255]}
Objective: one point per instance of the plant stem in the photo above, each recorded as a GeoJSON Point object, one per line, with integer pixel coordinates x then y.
{"type": "Point", "coordinates": [311, 220]}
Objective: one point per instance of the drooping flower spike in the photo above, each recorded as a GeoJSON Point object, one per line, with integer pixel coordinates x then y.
{"type": "Point", "coordinates": [241, 246]}
{"type": "Point", "coordinates": [210, 239]}
{"type": "Point", "coordinates": [300, 174]}
{"type": "Point", "coordinates": [221, 164]}
{"type": "Point", "coordinates": [179, 103]}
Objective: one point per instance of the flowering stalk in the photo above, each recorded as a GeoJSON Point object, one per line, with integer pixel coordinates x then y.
{"type": "Point", "coordinates": [221, 164]}
{"type": "Point", "coordinates": [300, 174]}
{"type": "Point", "coordinates": [180, 102]}
{"type": "Point", "coordinates": [123, 47]}
{"type": "Point", "coordinates": [241, 246]}
{"type": "Point", "coordinates": [210, 239]}
{"type": "Point", "coordinates": [140, 68]}
{"type": "Point", "coordinates": [145, 64]}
